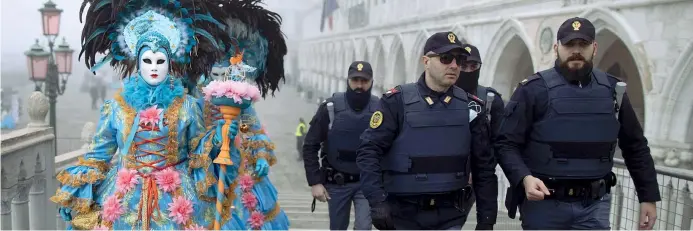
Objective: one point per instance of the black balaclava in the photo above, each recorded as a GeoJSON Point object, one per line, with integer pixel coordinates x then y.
{"type": "Point", "coordinates": [581, 76]}
{"type": "Point", "coordinates": [469, 81]}
{"type": "Point", "coordinates": [359, 98]}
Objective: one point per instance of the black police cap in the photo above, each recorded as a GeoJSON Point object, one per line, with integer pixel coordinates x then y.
{"type": "Point", "coordinates": [474, 54]}
{"type": "Point", "coordinates": [576, 28]}
{"type": "Point", "coordinates": [442, 42]}
{"type": "Point", "coordinates": [360, 69]}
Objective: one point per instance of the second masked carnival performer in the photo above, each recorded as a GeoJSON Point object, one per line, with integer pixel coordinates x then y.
{"type": "Point", "coordinates": [256, 54]}
{"type": "Point", "coordinates": [148, 166]}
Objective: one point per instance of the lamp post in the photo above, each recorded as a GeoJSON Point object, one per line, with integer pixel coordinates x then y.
{"type": "Point", "coordinates": [53, 67]}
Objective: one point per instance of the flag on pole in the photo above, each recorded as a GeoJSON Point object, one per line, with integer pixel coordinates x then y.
{"type": "Point", "coordinates": [328, 7]}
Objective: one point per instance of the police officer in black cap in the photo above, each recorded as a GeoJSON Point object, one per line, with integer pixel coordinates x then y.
{"type": "Point", "coordinates": [335, 131]}
{"type": "Point", "coordinates": [557, 141]}
{"type": "Point", "coordinates": [493, 101]}
{"type": "Point", "coordinates": [413, 157]}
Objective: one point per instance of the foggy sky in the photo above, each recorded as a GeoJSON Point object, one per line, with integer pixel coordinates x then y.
{"type": "Point", "coordinates": [21, 25]}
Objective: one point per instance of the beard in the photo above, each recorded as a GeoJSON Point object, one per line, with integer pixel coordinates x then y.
{"type": "Point", "coordinates": [469, 81]}
{"type": "Point", "coordinates": [358, 98]}
{"type": "Point", "coordinates": [575, 74]}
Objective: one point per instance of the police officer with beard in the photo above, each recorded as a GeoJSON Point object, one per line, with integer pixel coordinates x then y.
{"type": "Point", "coordinates": [413, 157]}
{"type": "Point", "coordinates": [469, 82]}
{"type": "Point", "coordinates": [558, 137]}
{"type": "Point", "coordinates": [335, 130]}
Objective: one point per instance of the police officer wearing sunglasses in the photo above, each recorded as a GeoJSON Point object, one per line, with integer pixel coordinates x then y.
{"type": "Point", "coordinates": [413, 157]}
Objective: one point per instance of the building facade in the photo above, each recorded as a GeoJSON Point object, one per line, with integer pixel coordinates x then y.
{"type": "Point", "coordinates": [647, 43]}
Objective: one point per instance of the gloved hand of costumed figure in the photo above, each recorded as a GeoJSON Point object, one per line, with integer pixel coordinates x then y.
{"type": "Point", "coordinates": [233, 131]}
{"type": "Point", "coordinates": [381, 216]}
{"type": "Point", "coordinates": [261, 167]}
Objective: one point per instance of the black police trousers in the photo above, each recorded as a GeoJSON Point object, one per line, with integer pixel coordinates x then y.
{"type": "Point", "coordinates": [408, 214]}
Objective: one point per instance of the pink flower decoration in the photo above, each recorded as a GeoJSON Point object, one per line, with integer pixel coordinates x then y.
{"type": "Point", "coordinates": [127, 180]}
{"type": "Point", "coordinates": [246, 182]}
{"type": "Point", "coordinates": [231, 89]}
{"type": "Point", "coordinates": [195, 227]}
{"type": "Point", "coordinates": [256, 220]}
{"type": "Point", "coordinates": [249, 200]}
{"type": "Point", "coordinates": [112, 209]}
{"type": "Point", "coordinates": [100, 227]}
{"type": "Point", "coordinates": [150, 115]}
{"type": "Point", "coordinates": [168, 179]}
{"type": "Point", "coordinates": [180, 210]}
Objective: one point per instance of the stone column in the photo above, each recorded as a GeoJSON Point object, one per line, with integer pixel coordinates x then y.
{"type": "Point", "coordinates": [7, 193]}
{"type": "Point", "coordinates": [37, 198]}
{"type": "Point", "coordinates": [20, 202]}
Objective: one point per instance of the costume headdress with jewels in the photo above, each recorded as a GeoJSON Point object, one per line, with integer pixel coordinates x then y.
{"type": "Point", "coordinates": [186, 29]}
{"type": "Point", "coordinates": [256, 37]}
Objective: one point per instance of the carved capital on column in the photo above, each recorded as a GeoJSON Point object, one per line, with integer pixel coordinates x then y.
{"type": "Point", "coordinates": [672, 154]}
{"type": "Point", "coordinates": [37, 109]}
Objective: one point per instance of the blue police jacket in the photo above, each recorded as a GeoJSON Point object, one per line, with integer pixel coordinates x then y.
{"type": "Point", "coordinates": [431, 150]}
{"type": "Point", "coordinates": [576, 137]}
{"type": "Point", "coordinates": [343, 138]}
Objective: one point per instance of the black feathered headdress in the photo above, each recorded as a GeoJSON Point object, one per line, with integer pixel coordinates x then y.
{"type": "Point", "coordinates": [256, 32]}
{"type": "Point", "coordinates": [187, 29]}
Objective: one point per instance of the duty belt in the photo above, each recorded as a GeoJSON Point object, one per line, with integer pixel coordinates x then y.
{"type": "Point", "coordinates": [576, 190]}
{"type": "Point", "coordinates": [432, 201]}
{"type": "Point", "coordinates": [340, 178]}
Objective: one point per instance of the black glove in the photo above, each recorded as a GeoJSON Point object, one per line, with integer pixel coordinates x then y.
{"type": "Point", "coordinates": [484, 227]}
{"type": "Point", "coordinates": [381, 216]}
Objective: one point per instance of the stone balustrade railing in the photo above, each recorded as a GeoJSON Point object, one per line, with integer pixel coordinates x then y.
{"type": "Point", "coordinates": [28, 171]}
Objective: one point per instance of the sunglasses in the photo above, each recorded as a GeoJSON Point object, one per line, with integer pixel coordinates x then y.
{"type": "Point", "coordinates": [447, 58]}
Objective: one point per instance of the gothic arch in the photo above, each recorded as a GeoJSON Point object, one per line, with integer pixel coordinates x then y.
{"type": "Point", "coordinates": [605, 19]}
{"type": "Point", "coordinates": [615, 48]}
{"type": "Point", "coordinates": [415, 56]}
{"type": "Point", "coordinates": [363, 50]}
{"type": "Point", "coordinates": [509, 58]}
{"type": "Point", "coordinates": [677, 103]}
{"type": "Point", "coordinates": [379, 64]}
{"type": "Point", "coordinates": [396, 63]}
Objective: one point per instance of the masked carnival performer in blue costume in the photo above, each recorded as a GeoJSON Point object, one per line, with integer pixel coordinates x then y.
{"type": "Point", "coordinates": [259, 48]}
{"type": "Point", "coordinates": [148, 166]}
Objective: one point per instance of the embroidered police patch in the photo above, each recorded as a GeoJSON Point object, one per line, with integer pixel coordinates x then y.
{"type": "Point", "coordinates": [376, 119]}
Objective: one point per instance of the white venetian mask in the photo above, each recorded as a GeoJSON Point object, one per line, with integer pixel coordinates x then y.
{"type": "Point", "coordinates": [153, 67]}
{"type": "Point", "coordinates": [218, 72]}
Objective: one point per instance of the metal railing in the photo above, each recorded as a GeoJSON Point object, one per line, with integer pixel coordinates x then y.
{"type": "Point", "coordinates": [674, 212]}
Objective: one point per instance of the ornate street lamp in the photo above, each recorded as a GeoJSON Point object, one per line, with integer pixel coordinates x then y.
{"type": "Point", "coordinates": [53, 67]}
{"type": "Point", "coordinates": [37, 62]}
{"type": "Point", "coordinates": [50, 16]}
{"type": "Point", "coordinates": [63, 61]}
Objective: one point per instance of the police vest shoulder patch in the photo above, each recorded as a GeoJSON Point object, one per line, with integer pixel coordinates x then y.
{"type": "Point", "coordinates": [529, 79]}
{"type": "Point", "coordinates": [392, 92]}
{"type": "Point", "coordinates": [376, 119]}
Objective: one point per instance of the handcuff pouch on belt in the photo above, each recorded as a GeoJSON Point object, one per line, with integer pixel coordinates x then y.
{"type": "Point", "coordinates": [339, 178]}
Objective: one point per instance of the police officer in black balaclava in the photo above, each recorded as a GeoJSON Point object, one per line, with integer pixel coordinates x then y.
{"type": "Point", "coordinates": [469, 82]}
{"type": "Point", "coordinates": [335, 131]}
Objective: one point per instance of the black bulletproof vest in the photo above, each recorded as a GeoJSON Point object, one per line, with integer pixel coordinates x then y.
{"type": "Point", "coordinates": [430, 152]}
{"type": "Point", "coordinates": [576, 137]}
{"type": "Point", "coordinates": [344, 136]}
